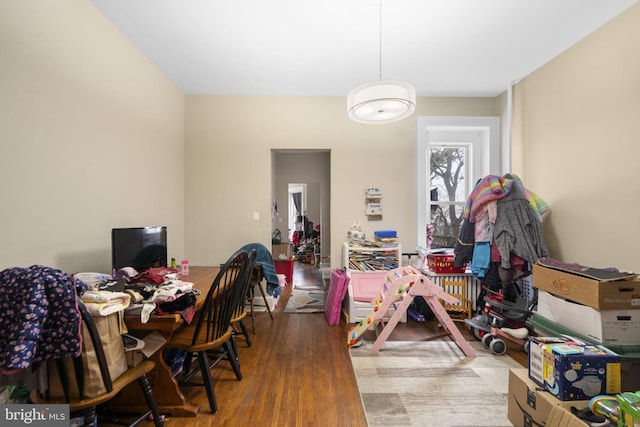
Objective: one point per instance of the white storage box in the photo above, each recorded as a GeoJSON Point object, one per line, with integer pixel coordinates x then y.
{"type": "Point", "coordinates": [621, 327]}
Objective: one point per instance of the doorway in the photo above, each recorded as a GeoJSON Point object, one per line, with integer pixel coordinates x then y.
{"type": "Point", "coordinates": [304, 212]}
{"type": "Point", "coordinates": [306, 172]}
{"type": "Point", "coordinates": [297, 206]}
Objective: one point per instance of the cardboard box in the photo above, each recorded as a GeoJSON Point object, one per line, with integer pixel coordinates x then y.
{"type": "Point", "coordinates": [528, 404]}
{"type": "Point", "coordinates": [629, 354]}
{"type": "Point", "coordinates": [614, 295]}
{"type": "Point", "coordinates": [537, 349]}
{"type": "Point", "coordinates": [562, 417]}
{"type": "Point", "coordinates": [572, 371]}
{"type": "Point", "coordinates": [281, 251]}
{"type": "Point", "coordinates": [605, 326]}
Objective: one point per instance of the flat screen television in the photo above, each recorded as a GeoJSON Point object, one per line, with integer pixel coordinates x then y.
{"type": "Point", "coordinates": [139, 247]}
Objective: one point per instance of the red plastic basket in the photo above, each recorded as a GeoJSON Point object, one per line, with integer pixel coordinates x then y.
{"type": "Point", "coordinates": [443, 263]}
{"type": "Point", "coordinates": [284, 267]}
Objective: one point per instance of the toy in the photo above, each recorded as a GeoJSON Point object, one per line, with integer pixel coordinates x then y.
{"type": "Point", "coordinates": [402, 285]}
{"type": "Point", "coordinates": [355, 232]}
{"type": "Point", "coordinates": [502, 319]}
{"type": "Point", "coordinates": [623, 408]}
{"type": "Point", "coordinates": [606, 406]}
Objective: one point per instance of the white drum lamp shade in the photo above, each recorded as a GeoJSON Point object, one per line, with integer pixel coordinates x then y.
{"type": "Point", "coordinates": [382, 101]}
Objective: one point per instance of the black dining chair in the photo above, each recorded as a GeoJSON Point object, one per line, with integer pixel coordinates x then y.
{"type": "Point", "coordinates": [74, 393]}
{"type": "Point", "coordinates": [210, 332]}
{"type": "Point", "coordinates": [240, 312]}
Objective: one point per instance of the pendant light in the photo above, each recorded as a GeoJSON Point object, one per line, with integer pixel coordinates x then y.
{"type": "Point", "coordinates": [382, 101]}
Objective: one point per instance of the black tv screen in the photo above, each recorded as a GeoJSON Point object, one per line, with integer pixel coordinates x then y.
{"type": "Point", "coordinates": [139, 247]}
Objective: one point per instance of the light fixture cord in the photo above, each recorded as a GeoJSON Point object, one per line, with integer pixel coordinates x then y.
{"type": "Point", "coordinates": [380, 50]}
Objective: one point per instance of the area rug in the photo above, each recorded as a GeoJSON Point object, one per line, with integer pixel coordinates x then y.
{"type": "Point", "coordinates": [302, 301]}
{"type": "Point", "coordinates": [432, 383]}
{"type": "Point", "coordinates": [259, 303]}
{"type": "Point", "coordinates": [312, 287]}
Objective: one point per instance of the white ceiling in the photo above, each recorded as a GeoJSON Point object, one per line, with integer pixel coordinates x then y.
{"type": "Point", "coordinates": [327, 47]}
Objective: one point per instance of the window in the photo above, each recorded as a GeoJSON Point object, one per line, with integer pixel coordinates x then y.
{"type": "Point", "coordinates": [453, 153]}
{"type": "Point", "coordinates": [448, 169]}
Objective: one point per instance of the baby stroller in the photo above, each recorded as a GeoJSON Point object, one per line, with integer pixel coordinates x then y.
{"type": "Point", "coordinates": [504, 316]}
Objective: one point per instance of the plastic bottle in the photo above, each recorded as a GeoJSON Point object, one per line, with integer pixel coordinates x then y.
{"type": "Point", "coordinates": [184, 271]}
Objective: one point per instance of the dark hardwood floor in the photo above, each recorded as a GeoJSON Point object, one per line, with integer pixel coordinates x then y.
{"type": "Point", "coordinates": [297, 372]}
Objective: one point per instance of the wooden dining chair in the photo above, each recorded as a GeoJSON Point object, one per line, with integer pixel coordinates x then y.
{"type": "Point", "coordinates": [74, 394]}
{"type": "Point", "coordinates": [240, 312]}
{"type": "Point", "coordinates": [209, 333]}
{"type": "Point", "coordinates": [256, 282]}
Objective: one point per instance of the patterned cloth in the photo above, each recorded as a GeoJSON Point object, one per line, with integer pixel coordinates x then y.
{"type": "Point", "coordinates": [537, 204]}
{"type": "Point", "coordinates": [104, 303]}
{"type": "Point", "coordinates": [489, 188]}
{"type": "Point", "coordinates": [39, 317]}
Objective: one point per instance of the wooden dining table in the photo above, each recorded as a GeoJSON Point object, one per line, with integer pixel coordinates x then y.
{"type": "Point", "coordinates": [165, 388]}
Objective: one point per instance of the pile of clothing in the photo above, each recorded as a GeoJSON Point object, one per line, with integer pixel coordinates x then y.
{"type": "Point", "coordinates": [501, 232]}
{"type": "Point", "coordinates": [39, 319]}
{"type": "Point", "coordinates": [160, 290]}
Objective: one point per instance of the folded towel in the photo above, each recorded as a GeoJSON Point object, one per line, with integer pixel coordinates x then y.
{"type": "Point", "coordinates": [104, 303]}
{"type": "Point", "coordinates": [104, 308]}
{"type": "Point", "coordinates": [106, 296]}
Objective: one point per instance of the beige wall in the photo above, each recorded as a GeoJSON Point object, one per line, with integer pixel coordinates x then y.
{"type": "Point", "coordinates": [576, 145]}
{"type": "Point", "coordinates": [229, 143]}
{"type": "Point", "coordinates": [92, 138]}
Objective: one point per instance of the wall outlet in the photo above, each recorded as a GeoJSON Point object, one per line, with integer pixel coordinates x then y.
{"type": "Point", "coordinates": [256, 216]}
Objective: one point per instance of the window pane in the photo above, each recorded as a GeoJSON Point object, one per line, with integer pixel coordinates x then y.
{"type": "Point", "coordinates": [447, 174]}
{"type": "Point", "coordinates": [446, 221]}
{"type": "Point", "coordinates": [447, 192]}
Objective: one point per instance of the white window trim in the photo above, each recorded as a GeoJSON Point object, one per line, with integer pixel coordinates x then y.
{"type": "Point", "coordinates": [486, 155]}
